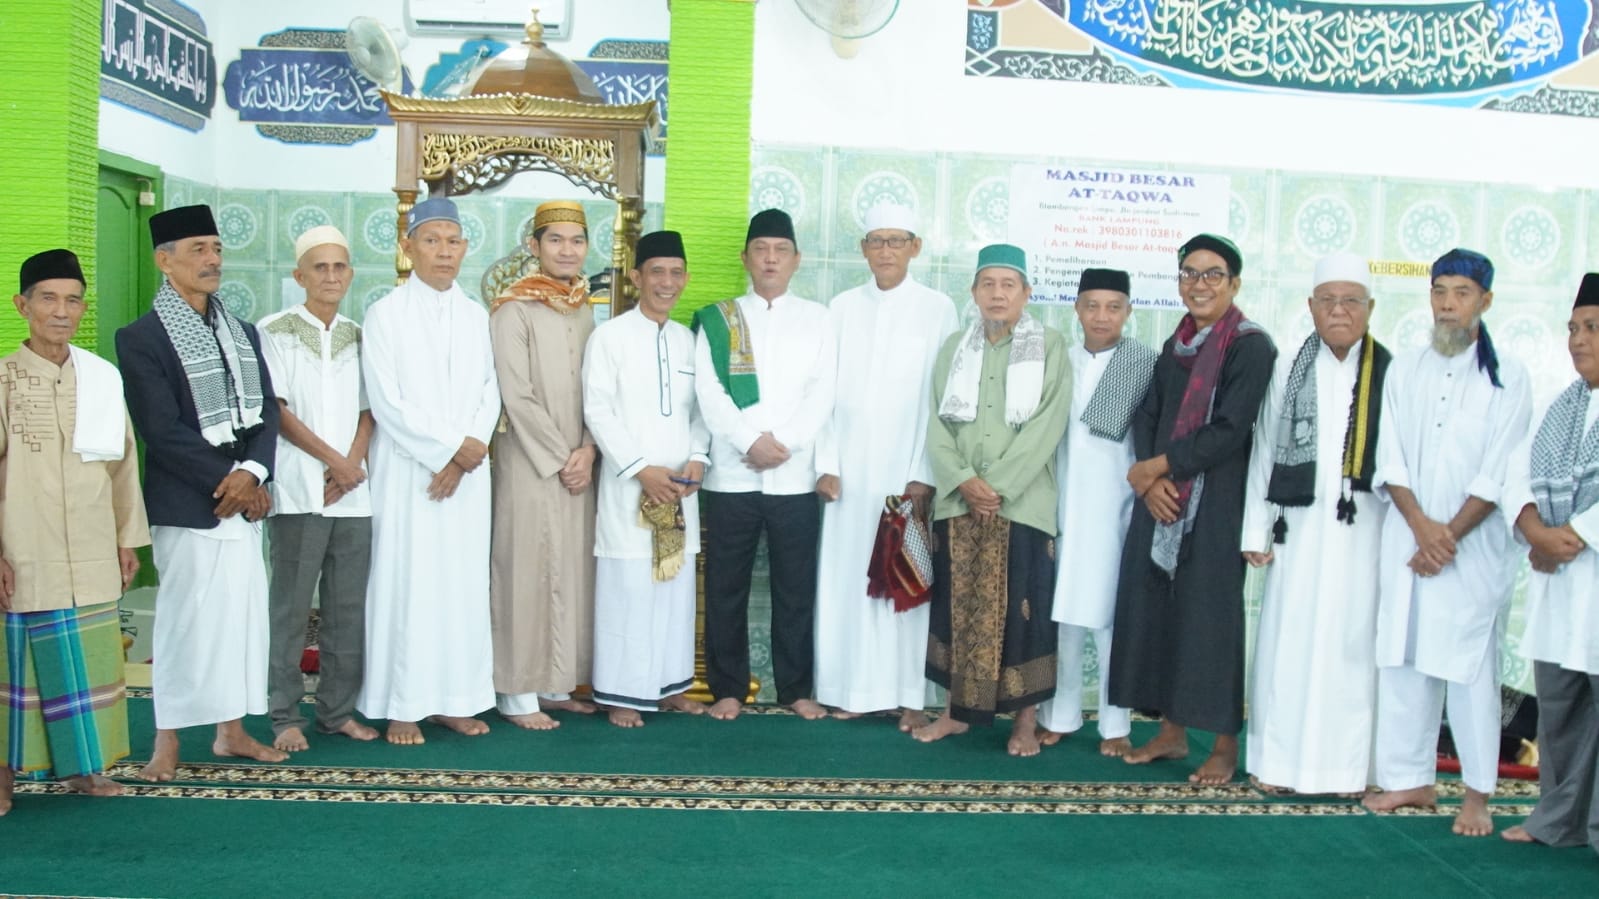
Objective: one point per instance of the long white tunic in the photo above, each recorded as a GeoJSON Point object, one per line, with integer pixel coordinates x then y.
{"type": "Point", "coordinates": [1562, 608]}
{"type": "Point", "coordinates": [430, 379]}
{"type": "Point", "coordinates": [638, 402]}
{"type": "Point", "coordinates": [1447, 433]}
{"type": "Point", "coordinates": [796, 362]}
{"type": "Point", "coordinates": [1096, 504]}
{"type": "Point", "coordinates": [869, 657]}
{"type": "Point", "coordinates": [1314, 683]}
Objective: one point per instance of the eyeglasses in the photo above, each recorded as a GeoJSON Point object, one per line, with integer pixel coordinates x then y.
{"type": "Point", "coordinates": [877, 243]}
{"type": "Point", "coordinates": [1349, 304]}
{"type": "Point", "coordinates": [1211, 277]}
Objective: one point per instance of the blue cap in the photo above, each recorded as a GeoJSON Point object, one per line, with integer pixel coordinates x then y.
{"type": "Point", "coordinates": [1467, 264]}
{"type": "Point", "coordinates": [434, 209]}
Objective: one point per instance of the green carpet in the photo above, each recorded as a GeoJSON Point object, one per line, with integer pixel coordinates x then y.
{"type": "Point", "coordinates": [766, 805]}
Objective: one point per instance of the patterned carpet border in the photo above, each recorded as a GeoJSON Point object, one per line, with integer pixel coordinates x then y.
{"type": "Point", "coordinates": [711, 784]}
{"type": "Point", "coordinates": [723, 793]}
{"type": "Point", "coordinates": [733, 803]}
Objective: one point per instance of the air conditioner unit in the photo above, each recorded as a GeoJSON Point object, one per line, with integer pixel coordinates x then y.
{"type": "Point", "coordinates": [487, 18]}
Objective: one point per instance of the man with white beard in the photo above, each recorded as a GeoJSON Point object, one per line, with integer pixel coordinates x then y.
{"type": "Point", "coordinates": [868, 656]}
{"type": "Point", "coordinates": [1110, 375]}
{"type": "Point", "coordinates": [1452, 413]}
{"type": "Point", "coordinates": [1310, 515]}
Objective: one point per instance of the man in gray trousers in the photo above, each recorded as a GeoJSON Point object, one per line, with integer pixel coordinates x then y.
{"type": "Point", "coordinates": [321, 525]}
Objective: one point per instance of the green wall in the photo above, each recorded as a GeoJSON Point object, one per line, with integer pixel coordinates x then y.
{"type": "Point", "coordinates": [50, 66]}
{"type": "Point", "coordinates": [708, 175]}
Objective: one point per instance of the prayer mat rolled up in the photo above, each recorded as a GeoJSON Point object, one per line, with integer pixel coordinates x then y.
{"type": "Point", "coordinates": [901, 566]}
{"type": "Point", "coordinates": [667, 535]}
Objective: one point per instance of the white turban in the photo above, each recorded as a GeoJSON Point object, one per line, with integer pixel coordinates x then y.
{"type": "Point", "coordinates": [1342, 267]}
{"type": "Point", "coordinates": [890, 217]}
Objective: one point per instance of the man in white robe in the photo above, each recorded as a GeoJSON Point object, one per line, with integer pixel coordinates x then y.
{"type": "Point", "coordinates": [1452, 413]}
{"type": "Point", "coordinates": [199, 393]}
{"type": "Point", "coordinates": [1554, 483]}
{"type": "Point", "coordinates": [1310, 515]}
{"type": "Point", "coordinates": [1109, 376]}
{"type": "Point", "coordinates": [638, 402]}
{"type": "Point", "coordinates": [868, 656]}
{"type": "Point", "coordinates": [430, 381]}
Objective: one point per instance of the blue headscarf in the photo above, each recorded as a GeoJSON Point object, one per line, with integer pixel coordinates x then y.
{"type": "Point", "coordinates": [1479, 268]}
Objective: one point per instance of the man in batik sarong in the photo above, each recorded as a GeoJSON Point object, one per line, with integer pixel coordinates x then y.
{"type": "Point", "coordinates": [71, 516]}
{"type": "Point", "coordinates": [1002, 391]}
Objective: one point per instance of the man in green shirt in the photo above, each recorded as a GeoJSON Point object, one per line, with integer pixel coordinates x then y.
{"type": "Point", "coordinates": [1002, 391]}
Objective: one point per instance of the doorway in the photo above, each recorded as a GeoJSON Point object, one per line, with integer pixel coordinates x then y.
{"type": "Point", "coordinates": [124, 260]}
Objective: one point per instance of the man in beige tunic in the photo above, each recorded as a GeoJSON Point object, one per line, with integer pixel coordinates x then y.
{"type": "Point", "coordinates": [71, 515]}
{"type": "Point", "coordinates": [542, 581]}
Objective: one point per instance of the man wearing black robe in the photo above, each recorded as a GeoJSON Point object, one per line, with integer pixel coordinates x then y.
{"type": "Point", "coordinates": [1178, 645]}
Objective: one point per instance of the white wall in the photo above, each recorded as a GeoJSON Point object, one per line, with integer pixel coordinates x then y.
{"type": "Point", "coordinates": [906, 89]}
{"type": "Point", "coordinates": [231, 154]}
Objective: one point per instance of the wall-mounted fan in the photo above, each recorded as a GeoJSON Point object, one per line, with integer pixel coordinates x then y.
{"type": "Point", "coordinates": [848, 21]}
{"type": "Point", "coordinates": [375, 51]}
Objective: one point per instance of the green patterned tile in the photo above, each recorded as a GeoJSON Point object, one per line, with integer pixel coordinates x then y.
{"type": "Point", "coordinates": [1425, 219]}
{"type": "Point", "coordinates": [250, 292]}
{"type": "Point", "coordinates": [244, 222]}
{"type": "Point", "coordinates": [1318, 215]}
{"type": "Point", "coordinates": [1531, 235]}
{"type": "Point", "coordinates": [863, 179]}
{"type": "Point", "coordinates": [977, 208]}
{"type": "Point", "coordinates": [794, 181]}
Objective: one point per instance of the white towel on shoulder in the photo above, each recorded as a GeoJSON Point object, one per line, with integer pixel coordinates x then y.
{"type": "Point", "coordinates": [99, 432]}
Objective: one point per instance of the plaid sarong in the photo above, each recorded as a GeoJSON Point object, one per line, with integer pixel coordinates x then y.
{"type": "Point", "coordinates": [64, 710]}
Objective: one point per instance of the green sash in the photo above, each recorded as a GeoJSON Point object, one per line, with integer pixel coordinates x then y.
{"type": "Point", "coordinates": [731, 353]}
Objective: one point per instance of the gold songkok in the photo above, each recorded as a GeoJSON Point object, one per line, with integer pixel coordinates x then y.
{"type": "Point", "coordinates": [559, 211]}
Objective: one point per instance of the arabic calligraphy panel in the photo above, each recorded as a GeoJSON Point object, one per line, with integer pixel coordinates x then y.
{"type": "Point", "coordinates": [1502, 54]}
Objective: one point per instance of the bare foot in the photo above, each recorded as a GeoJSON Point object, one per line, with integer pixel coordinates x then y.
{"type": "Point", "coordinates": [1517, 834]}
{"type": "Point", "coordinates": [681, 703]}
{"type": "Point", "coordinates": [1115, 747]}
{"type": "Point", "coordinates": [910, 719]}
{"type": "Point", "coordinates": [404, 733]}
{"type": "Point", "coordinates": [809, 709]}
{"type": "Point", "coordinates": [535, 721]}
{"type": "Point", "coordinates": [290, 739]}
{"type": "Point", "coordinates": [1474, 819]}
{"type": "Point", "coordinates": [1170, 743]}
{"type": "Point", "coordinates": [7, 779]}
{"type": "Point", "coordinates": [467, 727]}
{"type": "Point", "coordinates": [1221, 766]}
{"type": "Point", "coordinates": [938, 730]}
{"type": "Point", "coordinates": [163, 764]}
{"type": "Point", "coordinates": [843, 715]}
{"type": "Point", "coordinates": [569, 705]}
{"type": "Point", "coordinates": [233, 742]}
{"type": "Point", "coordinates": [625, 717]}
{"type": "Point", "coordinates": [1047, 737]}
{"type": "Point", "coordinates": [355, 730]}
{"type": "Point", "coordinates": [1388, 800]}
{"type": "Point", "coordinates": [1023, 740]}
{"type": "Point", "coordinates": [92, 785]}
{"type": "Point", "coordinates": [726, 708]}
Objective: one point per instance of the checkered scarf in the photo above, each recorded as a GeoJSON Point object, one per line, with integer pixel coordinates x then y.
{"type": "Point", "coordinates": [1565, 466]}
{"type": "Point", "coordinates": [1109, 412]}
{"type": "Point", "coordinates": [220, 363]}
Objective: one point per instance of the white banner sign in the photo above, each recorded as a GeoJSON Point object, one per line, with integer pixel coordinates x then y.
{"type": "Point", "coordinates": [1069, 219]}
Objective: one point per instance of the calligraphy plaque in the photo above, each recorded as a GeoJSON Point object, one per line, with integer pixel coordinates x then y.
{"type": "Point", "coordinates": [155, 57]}
{"type": "Point", "coordinates": [1484, 53]}
{"type": "Point", "coordinates": [300, 87]}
